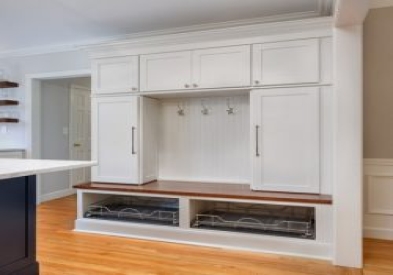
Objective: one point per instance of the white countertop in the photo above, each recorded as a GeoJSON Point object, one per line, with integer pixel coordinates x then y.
{"type": "Point", "coordinates": [11, 168]}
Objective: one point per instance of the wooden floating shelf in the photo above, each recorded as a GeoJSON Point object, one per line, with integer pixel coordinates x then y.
{"type": "Point", "coordinates": [8, 84]}
{"type": "Point", "coordinates": [8, 120]}
{"type": "Point", "coordinates": [7, 102]}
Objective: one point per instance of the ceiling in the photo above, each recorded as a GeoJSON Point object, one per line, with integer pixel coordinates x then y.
{"type": "Point", "coordinates": [38, 23]}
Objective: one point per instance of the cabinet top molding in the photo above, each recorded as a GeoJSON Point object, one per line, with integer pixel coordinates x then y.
{"type": "Point", "coordinates": [213, 37]}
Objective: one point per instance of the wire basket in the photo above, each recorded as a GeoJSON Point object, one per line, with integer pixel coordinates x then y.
{"type": "Point", "coordinates": [136, 209]}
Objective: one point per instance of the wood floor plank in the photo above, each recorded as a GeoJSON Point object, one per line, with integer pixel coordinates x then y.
{"type": "Point", "coordinates": [62, 251]}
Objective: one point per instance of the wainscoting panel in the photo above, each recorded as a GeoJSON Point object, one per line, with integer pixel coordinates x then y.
{"type": "Point", "coordinates": [378, 198]}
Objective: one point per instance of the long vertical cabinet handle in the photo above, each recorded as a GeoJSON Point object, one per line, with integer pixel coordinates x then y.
{"type": "Point", "coordinates": [256, 140]}
{"type": "Point", "coordinates": [133, 141]}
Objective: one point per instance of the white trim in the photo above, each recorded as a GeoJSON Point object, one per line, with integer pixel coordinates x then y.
{"type": "Point", "coordinates": [378, 233]}
{"type": "Point", "coordinates": [57, 195]}
{"type": "Point", "coordinates": [374, 161]}
{"type": "Point", "coordinates": [350, 12]}
{"type": "Point", "coordinates": [376, 4]}
{"type": "Point", "coordinates": [213, 37]}
{"type": "Point", "coordinates": [322, 11]}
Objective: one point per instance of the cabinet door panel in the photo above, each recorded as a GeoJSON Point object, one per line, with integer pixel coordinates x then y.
{"type": "Point", "coordinates": [115, 143]}
{"type": "Point", "coordinates": [222, 67]}
{"type": "Point", "coordinates": [115, 75]}
{"type": "Point", "coordinates": [165, 71]}
{"type": "Point", "coordinates": [288, 140]}
{"type": "Point", "coordinates": [287, 62]}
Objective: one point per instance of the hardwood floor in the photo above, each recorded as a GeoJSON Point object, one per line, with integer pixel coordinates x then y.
{"type": "Point", "coordinates": [64, 252]}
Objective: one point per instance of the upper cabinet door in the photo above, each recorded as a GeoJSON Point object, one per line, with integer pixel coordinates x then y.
{"type": "Point", "coordinates": [115, 75]}
{"type": "Point", "coordinates": [222, 67]}
{"type": "Point", "coordinates": [288, 62]}
{"type": "Point", "coordinates": [166, 71]}
{"type": "Point", "coordinates": [285, 139]}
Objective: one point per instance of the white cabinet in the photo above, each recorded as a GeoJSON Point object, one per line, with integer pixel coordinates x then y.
{"type": "Point", "coordinates": [166, 71]}
{"type": "Point", "coordinates": [288, 62]}
{"type": "Point", "coordinates": [221, 67]}
{"type": "Point", "coordinates": [115, 75]}
{"type": "Point", "coordinates": [206, 68]}
{"type": "Point", "coordinates": [285, 139]}
{"type": "Point", "coordinates": [124, 139]}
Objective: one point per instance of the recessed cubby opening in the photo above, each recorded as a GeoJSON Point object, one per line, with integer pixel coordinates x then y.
{"type": "Point", "coordinates": [204, 139]}
{"type": "Point", "coordinates": [254, 218]}
{"type": "Point", "coordinates": [139, 209]}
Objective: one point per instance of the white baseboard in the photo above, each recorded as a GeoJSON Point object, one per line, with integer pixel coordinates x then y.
{"type": "Point", "coordinates": [378, 233]}
{"type": "Point", "coordinates": [57, 195]}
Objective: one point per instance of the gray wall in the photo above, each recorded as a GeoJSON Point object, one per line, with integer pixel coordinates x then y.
{"type": "Point", "coordinates": [54, 143]}
{"type": "Point", "coordinates": [55, 113]}
{"type": "Point", "coordinates": [378, 84]}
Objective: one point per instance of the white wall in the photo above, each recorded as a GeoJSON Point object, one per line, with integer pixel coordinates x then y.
{"type": "Point", "coordinates": [18, 67]}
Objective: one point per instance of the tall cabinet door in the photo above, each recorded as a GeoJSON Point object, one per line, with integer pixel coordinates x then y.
{"type": "Point", "coordinates": [165, 71]}
{"type": "Point", "coordinates": [285, 139]}
{"type": "Point", "coordinates": [115, 142]}
{"type": "Point", "coordinates": [222, 67]}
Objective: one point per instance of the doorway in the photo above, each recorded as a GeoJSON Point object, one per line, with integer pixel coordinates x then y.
{"type": "Point", "coordinates": [58, 127]}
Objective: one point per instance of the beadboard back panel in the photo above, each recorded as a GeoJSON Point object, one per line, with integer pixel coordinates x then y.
{"type": "Point", "coordinates": [210, 147]}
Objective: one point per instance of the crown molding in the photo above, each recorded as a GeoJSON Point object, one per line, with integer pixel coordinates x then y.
{"type": "Point", "coordinates": [376, 4]}
{"type": "Point", "coordinates": [252, 33]}
{"type": "Point", "coordinates": [324, 7]}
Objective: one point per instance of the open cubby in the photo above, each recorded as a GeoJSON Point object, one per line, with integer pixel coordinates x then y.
{"type": "Point", "coordinates": [149, 210]}
{"type": "Point", "coordinates": [277, 220]}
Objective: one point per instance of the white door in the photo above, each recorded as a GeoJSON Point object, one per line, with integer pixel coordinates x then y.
{"type": "Point", "coordinates": [222, 67]}
{"type": "Point", "coordinates": [80, 134]}
{"type": "Point", "coordinates": [115, 142]}
{"type": "Point", "coordinates": [285, 139]}
{"type": "Point", "coordinates": [115, 75]}
{"type": "Point", "coordinates": [165, 71]}
{"type": "Point", "coordinates": [288, 62]}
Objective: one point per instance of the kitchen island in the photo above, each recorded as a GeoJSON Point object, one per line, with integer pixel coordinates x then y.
{"type": "Point", "coordinates": [18, 211]}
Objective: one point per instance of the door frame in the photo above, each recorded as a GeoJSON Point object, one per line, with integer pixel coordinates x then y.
{"type": "Point", "coordinates": [33, 111]}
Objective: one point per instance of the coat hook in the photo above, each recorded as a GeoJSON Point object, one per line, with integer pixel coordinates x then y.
{"type": "Point", "coordinates": [180, 110]}
{"type": "Point", "coordinates": [205, 110]}
{"type": "Point", "coordinates": [230, 110]}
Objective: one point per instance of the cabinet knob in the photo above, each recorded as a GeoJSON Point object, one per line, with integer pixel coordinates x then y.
{"type": "Point", "coordinates": [134, 89]}
{"type": "Point", "coordinates": [256, 82]}
{"type": "Point", "coordinates": [187, 86]}
{"type": "Point", "coordinates": [195, 85]}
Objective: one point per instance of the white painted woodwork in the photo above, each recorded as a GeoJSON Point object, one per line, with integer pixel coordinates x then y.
{"type": "Point", "coordinates": [287, 62]}
{"type": "Point", "coordinates": [348, 150]}
{"type": "Point", "coordinates": [118, 142]}
{"type": "Point", "coordinates": [378, 193]}
{"type": "Point", "coordinates": [320, 248]}
{"type": "Point", "coordinates": [350, 12]}
{"type": "Point", "coordinates": [12, 154]}
{"type": "Point", "coordinates": [221, 67]}
{"type": "Point", "coordinates": [80, 132]}
{"type": "Point", "coordinates": [113, 121]}
{"type": "Point", "coordinates": [197, 147]}
{"type": "Point", "coordinates": [115, 75]}
{"type": "Point", "coordinates": [285, 139]}
{"type": "Point", "coordinates": [165, 71]}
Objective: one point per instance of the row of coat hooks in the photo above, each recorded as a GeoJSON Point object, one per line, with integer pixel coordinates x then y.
{"type": "Point", "coordinates": [205, 110]}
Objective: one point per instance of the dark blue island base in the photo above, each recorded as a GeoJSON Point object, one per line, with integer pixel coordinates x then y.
{"type": "Point", "coordinates": [18, 226]}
